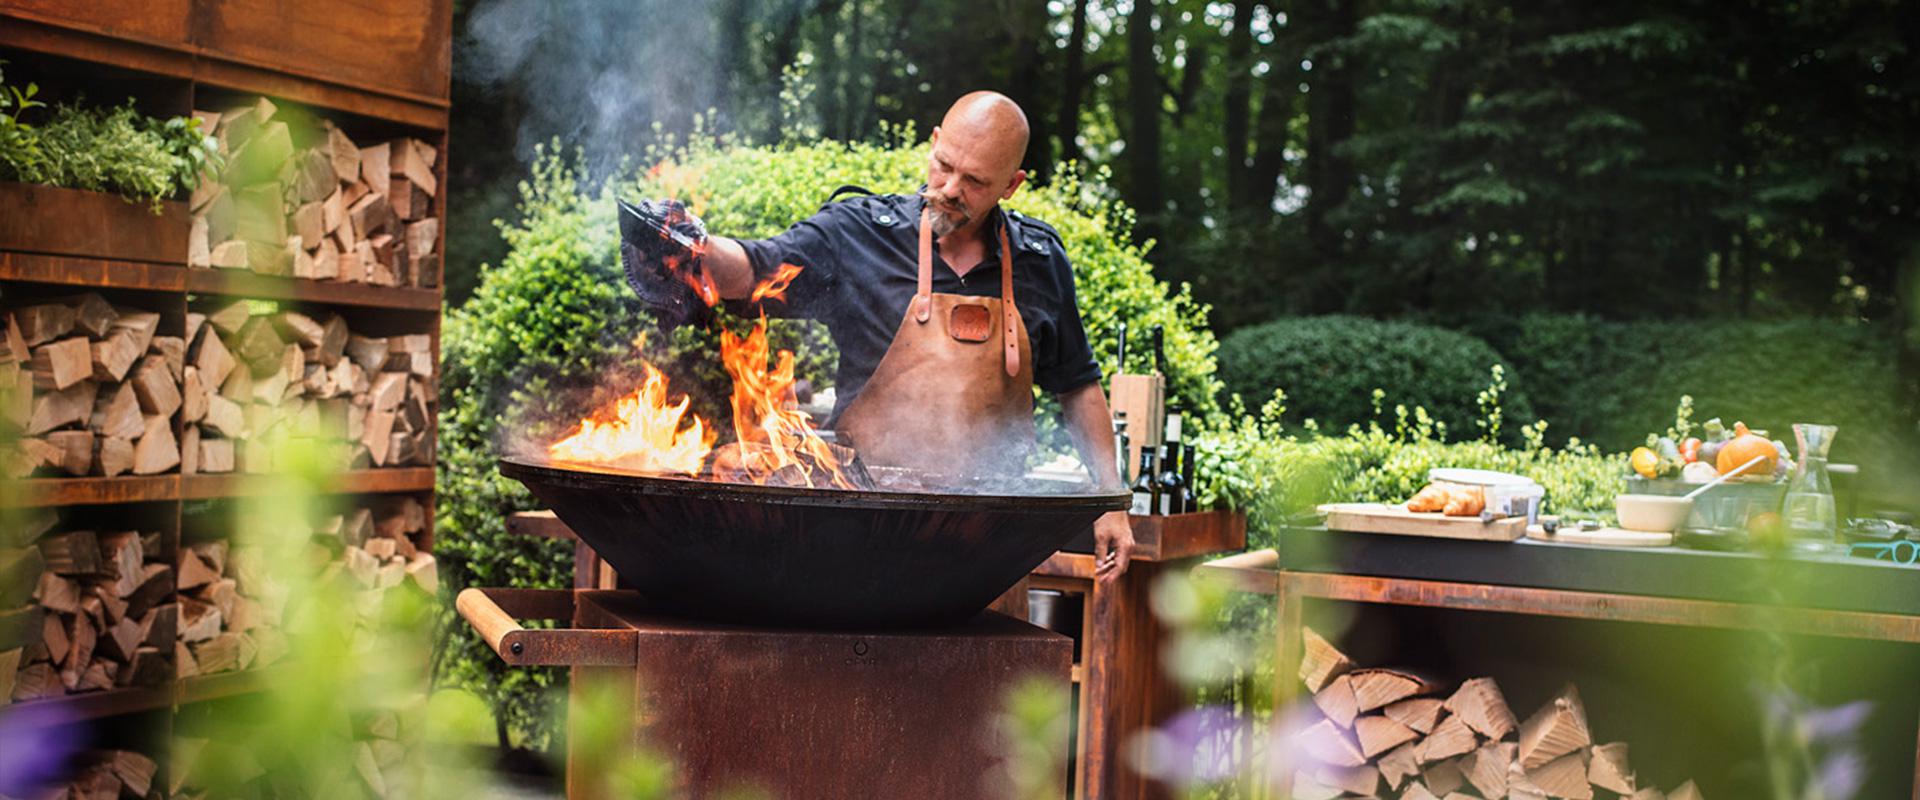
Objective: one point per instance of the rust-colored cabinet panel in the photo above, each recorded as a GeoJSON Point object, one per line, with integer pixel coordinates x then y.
{"type": "Point", "coordinates": [155, 21]}
{"type": "Point", "coordinates": [393, 45]}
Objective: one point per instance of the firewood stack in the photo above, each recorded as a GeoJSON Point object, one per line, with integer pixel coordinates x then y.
{"type": "Point", "coordinates": [230, 610]}
{"type": "Point", "coordinates": [1388, 733]}
{"type": "Point", "coordinates": [332, 211]}
{"type": "Point", "coordinates": [379, 745]}
{"type": "Point", "coordinates": [255, 380]}
{"type": "Point", "coordinates": [100, 613]}
{"type": "Point", "coordinates": [89, 388]}
{"type": "Point", "coordinates": [112, 774]}
{"type": "Point", "coordinates": [377, 548]}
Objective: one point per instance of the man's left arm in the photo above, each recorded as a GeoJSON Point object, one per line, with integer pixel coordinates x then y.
{"type": "Point", "coordinates": [1090, 423]}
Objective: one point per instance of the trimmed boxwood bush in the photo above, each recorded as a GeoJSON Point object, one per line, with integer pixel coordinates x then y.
{"type": "Point", "coordinates": [1330, 366]}
{"type": "Point", "coordinates": [552, 330]}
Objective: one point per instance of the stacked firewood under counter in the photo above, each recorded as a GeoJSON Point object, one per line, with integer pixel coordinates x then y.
{"type": "Point", "coordinates": [102, 612]}
{"type": "Point", "coordinates": [1385, 726]}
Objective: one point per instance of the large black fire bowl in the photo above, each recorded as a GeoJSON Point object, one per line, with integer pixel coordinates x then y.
{"type": "Point", "coordinates": [826, 558]}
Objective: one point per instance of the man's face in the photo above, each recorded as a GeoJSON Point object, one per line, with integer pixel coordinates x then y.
{"type": "Point", "coordinates": [965, 179]}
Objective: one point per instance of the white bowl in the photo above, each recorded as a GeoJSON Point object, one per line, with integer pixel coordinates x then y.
{"type": "Point", "coordinates": [1651, 512]}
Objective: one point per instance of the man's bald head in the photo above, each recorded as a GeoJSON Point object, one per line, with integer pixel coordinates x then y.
{"type": "Point", "coordinates": [993, 123]}
{"type": "Point", "coordinates": [974, 161]}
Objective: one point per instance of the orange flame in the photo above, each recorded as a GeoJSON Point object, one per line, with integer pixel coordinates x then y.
{"type": "Point", "coordinates": [766, 416]}
{"type": "Point", "coordinates": [641, 432]}
{"type": "Point", "coordinates": [775, 288]}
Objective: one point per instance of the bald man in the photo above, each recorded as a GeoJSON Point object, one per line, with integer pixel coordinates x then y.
{"type": "Point", "coordinates": [947, 311]}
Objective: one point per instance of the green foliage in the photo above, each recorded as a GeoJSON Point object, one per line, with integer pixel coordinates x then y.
{"type": "Point", "coordinates": [552, 331]}
{"type": "Point", "coordinates": [1332, 365]}
{"type": "Point", "coordinates": [115, 150]}
{"type": "Point", "coordinates": [1612, 383]}
{"type": "Point", "coordinates": [1277, 475]}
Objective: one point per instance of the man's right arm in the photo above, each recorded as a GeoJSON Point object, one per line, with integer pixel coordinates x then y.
{"type": "Point", "coordinates": [726, 263]}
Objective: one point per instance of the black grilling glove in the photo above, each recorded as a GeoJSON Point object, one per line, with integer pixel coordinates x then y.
{"type": "Point", "coordinates": [661, 245]}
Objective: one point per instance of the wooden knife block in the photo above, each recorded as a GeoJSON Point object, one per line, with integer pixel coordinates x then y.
{"type": "Point", "coordinates": [1144, 399]}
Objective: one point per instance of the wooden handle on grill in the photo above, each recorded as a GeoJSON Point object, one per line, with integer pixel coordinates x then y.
{"type": "Point", "coordinates": [494, 613]}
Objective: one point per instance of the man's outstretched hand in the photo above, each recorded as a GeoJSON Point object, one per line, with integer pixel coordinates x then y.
{"type": "Point", "coordinates": [661, 245]}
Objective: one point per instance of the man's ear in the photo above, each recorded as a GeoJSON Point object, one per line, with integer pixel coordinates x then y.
{"type": "Point", "coordinates": [1019, 177]}
{"type": "Point", "coordinates": [934, 138]}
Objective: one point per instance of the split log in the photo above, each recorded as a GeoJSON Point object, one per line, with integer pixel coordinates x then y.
{"type": "Point", "coordinates": [1418, 791]}
{"type": "Point", "coordinates": [55, 635]}
{"type": "Point", "coordinates": [342, 154]}
{"type": "Point", "coordinates": [134, 770]}
{"type": "Point", "coordinates": [1359, 781]}
{"type": "Point", "coordinates": [1607, 768]}
{"type": "Point", "coordinates": [1324, 741]}
{"type": "Point", "coordinates": [75, 449]}
{"type": "Point", "coordinates": [62, 363]}
{"type": "Point", "coordinates": [74, 553]}
{"type": "Point", "coordinates": [376, 168]}
{"type": "Point", "coordinates": [1685, 791]}
{"type": "Point", "coordinates": [1443, 777]}
{"type": "Point", "coordinates": [37, 682]}
{"type": "Point", "coordinates": [154, 387]}
{"type": "Point", "coordinates": [1480, 704]}
{"type": "Point", "coordinates": [425, 572]}
{"type": "Point", "coordinates": [190, 450]}
{"type": "Point", "coordinates": [184, 665]}
{"type": "Point", "coordinates": [1320, 661]}
{"type": "Point", "coordinates": [216, 554]}
{"type": "Point", "coordinates": [92, 315]}
{"type": "Point", "coordinates": [260, 215]}
{"type": "Point", "coordinates": [1378, 734]}
{"type": "Point", "coordinates": [199, 621]}
{"type": "Point", "coordinates": [1648, 793]}
{"type": "Point", "coordinates": [1450, 738]}
{"type": "Point", "coordinates": [115, 355]}
{"type": "Point", "coordinates": [216, 456]}
{"type": "Point", "coordinates": [1487, 767]}
{"type": "Point", "coordinates": [220, 653]}
{"type": "Point", "coordinates": [409, 158]}
{"type": "Point", "coordinates": [42, 323]}
{"type": "Point", "coordinates": [121, 561]}
{"type": "Point", "coordinates": [148, 667]}
{"type": "Point", "coordinates": [174, 350]}
{"type": "Point", "coordinates": [313, 176]}
{"type": "Point", "coordinates": [1337, 702]}
{"type": "Point", "coordinates": [9, 666]}
{"type": "Point", "coordinates": [225, 418]}
{"type": "Point", "coordinates": [1564, 777]}
{"type": "Point", "coordinates": [1522, 787]}
{"type": "Point", "coordinates": [157, 451]}
{"type": "Point", "coordinates": [258, 346]}
{"type": "Point", "coordinates": [1558, 728]}
{"type": "Point", "coordinates": [231, 254]}
{"type": "Point", "coordinates": [228, 319]}
{"type": "Point", "coordinates": [1376, 688]}
{"type": "Point", "coordinates": [423, 236]}
{"type": "Point", "coordinates": [13, 344]}
{"type": "Point", "coordinates": [1418, 713]}
{"type": "Point", "coordinates": [193, 396]}
{"type": "Point", "coordinates": [56, 593]}
{"type": "Point", "coordinates": [115, 454]}
{"type": "Point", "coordinates": [369, 217]}
{"type": "Point", "coordinates": [117, 413]}
{"type": "Point", "coordinates": [1399, 764]}
{"type": "Point", "coordinates": [199, 245]}
{"type": "Point", "coordinates": [156, 582]}
{"type": "Point", "coordinates": [213, 359]}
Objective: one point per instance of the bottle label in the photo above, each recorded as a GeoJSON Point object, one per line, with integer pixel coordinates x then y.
{"type": "Point", "coordinates": [1142, 504]}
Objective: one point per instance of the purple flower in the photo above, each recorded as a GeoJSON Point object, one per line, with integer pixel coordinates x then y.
{"type": "Point", "coordinates": [1839, 723]}
{"type": "Point", "coordinates": [40, 741]}
{"type": "Point", "coordinates": [1840, 775]}
{"type": "Point", "coordinates": [1197, 746]}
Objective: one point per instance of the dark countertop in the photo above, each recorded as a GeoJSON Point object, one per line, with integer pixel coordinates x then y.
{"type": "Point", "coordinates": [1833, 582]}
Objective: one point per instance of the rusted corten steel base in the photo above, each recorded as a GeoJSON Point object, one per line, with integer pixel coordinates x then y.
{"type": "Point", "coordinates": [792, 713]}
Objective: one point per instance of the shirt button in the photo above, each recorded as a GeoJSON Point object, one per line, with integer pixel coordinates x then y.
{"type": "Point", "coordinates": [886, 219]}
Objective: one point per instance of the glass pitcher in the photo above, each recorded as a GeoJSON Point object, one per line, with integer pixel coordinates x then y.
{"type": "Point", "coordinates": [1809, 509]}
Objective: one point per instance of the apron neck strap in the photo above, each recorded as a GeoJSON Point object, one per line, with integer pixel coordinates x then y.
{"type": "Point", "coordinates": [923, 298]}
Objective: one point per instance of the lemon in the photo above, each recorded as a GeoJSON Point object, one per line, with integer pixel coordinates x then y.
{"type": "Point", "coordinates": [1646, 462]}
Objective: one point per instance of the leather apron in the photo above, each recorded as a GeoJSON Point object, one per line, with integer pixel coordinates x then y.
{"type": "Point", "coordinates": [954, 393]}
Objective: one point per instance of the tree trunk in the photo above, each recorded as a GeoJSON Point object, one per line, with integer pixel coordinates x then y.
{"type": "Point", "coordinates": [1239, 100]}
{"type": "Point", "coordinates": [1073, 85]}
{"type": "Point", "coordinates": [1143, 114]}
{"type": "Point", "coordinates": [852, 105]}
{"type": "Point", "coordinates": [1330, 124]}
{"type": "Point", "coordinates": [829, 82]}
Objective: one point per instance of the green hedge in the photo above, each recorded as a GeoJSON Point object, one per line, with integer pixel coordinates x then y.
{"type": "Point", "coordinates": [1330, 366]}
{"type": "Point", "coordinates": [552, 330]}
{"type": "Point", "coordinates": [1612, 383]}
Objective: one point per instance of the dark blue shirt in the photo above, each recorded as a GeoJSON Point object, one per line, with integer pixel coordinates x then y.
{"type": "Point", "coordinates": [860, 270]}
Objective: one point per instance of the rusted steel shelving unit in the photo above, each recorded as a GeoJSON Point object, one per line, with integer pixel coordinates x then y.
{"type": "Point", "coordinates": [380, 66]}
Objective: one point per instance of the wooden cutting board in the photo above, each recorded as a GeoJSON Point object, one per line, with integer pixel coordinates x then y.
{"type": "Point", "coordinates": [1397, 520]}
{"type": "Point", "coordinates": [1604, 537]}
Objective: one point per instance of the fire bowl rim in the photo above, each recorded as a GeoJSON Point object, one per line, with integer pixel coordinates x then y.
{"type": "Point", "coordinates": [578, 475]}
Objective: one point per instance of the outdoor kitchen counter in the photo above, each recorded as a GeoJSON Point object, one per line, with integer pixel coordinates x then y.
{"type": "Point", "coordinates": [1851, 599]}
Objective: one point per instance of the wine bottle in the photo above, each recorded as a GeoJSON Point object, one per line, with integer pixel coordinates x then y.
{"type": "Point", "coordinates": [1187, 499]}
{"type": "Point", "coordinates": [1146, 490]}
{"type": "Point", "coordinates": [1170, 497]}
{"type": "Point", "coordinates": [1120, 355]}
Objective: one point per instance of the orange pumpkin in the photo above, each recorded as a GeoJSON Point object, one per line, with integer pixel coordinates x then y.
{"type": "Point", "coordinates": [1744, 447]}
